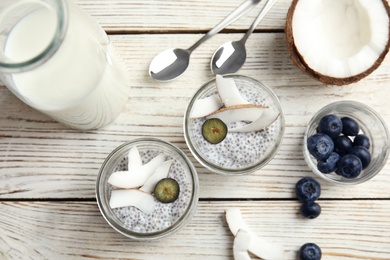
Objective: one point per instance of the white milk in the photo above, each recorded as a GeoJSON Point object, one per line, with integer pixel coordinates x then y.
{"type": "Point", "coordinates": [84, 84]}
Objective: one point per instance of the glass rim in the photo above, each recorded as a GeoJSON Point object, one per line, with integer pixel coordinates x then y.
{"type": "Point", "coordinates": [178, 224]}
{"type": "Point", "coordinates": [232, 171]}
{"type": "Point", "coordinates": [332, 106]}
{"type": "Point", "coordinates": [61, 9]}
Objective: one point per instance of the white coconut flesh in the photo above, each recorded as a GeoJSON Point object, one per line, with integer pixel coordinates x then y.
{"type": "Point", "coordinates": [134, 159]}
{"type": "Point", "coordinates": [137, 177]}
{"type": "Point", "coordinates": [245, 112]}
{"type": "Point", "coordinates": [134, 198]}
{"type": "Point", "coordinates": [340, 38]}
{"type": "Point", "coordinates": [257, 245]}
{"type": "Point", "coordinates": [161, 172]}
{"type": "Point", "coordinates": [234, 108]}
{"type": "Point", "coordinates": [241, 244]}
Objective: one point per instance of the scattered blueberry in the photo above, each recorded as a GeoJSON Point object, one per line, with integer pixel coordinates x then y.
{"type": "Point", "coordinates": [330, 125]}
{"type": "Point", "coordinates": [361, 140]}
{"type": "Point", "coordinates": [310, 251]}
{"type": "Point", "coordinates": [320, 146]}
{"type": "Point", "coordinates": [342, 144]}
{"type": "Point", "coordinates": [349, 166]}
{"type": "Point", "coordinates": [350, 126]}
{"type": "Point", "coordinates": [363, 154]}
{"type": "Point", "coordinates": [307, 189]}
{"type": "Point", "coordinates": [310, 210]}
{"type": "Point", "coordinates": [329, 164]}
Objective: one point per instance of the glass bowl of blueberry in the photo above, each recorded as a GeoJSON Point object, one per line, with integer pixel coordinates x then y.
{"type": "Point", "coordinates": [346, 142]}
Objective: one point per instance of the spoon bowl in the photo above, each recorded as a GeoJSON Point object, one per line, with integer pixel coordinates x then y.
{"type": "Point", "coordinates": [230, 56]}
{"type": "Point", "coordinates": [170, 64]}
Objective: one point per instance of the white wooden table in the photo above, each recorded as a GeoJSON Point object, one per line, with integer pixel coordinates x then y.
{"type": "Point", "coordinates": [48, 172]}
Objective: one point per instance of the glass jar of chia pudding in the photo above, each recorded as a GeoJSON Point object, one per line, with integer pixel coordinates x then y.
{"type": "Point", "coordinates": [165, 218]}
{"type": "Point", "coordinates": [240, 152]}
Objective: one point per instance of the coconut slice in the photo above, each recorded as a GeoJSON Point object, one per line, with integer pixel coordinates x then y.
{"type": "Point", "coordinates": [245, 112]}
{"type": "Point", "coordinates": [257, 246]}
{"type": "Point", "coordinates": [338, 42]}
{"type": "Point", "coordinates": [133, 197]}
{"type": "Point", "coordinates": [241, 244]}
{"type": "Point", "coordinates": [205, 106]}
{"type": "Point", "coordinates": [266, 118]}
{"type": "Point", "coordinates": [161, 172]}
{"type": "Point", "coordinates": [134, 159]}
{"type": "Point", "coordinates": [228, 91]}
{"type": "Point", "coordinates": [138, 177]}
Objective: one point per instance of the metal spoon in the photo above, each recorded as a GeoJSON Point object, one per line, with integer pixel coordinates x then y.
{"type": "Point", "coordinates": [171, 63]}
{"type": "Point", "coordinates": [230, 56]}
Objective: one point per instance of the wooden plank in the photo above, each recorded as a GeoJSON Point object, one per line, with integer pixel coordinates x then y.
{"type": "Point", "coordinates": [118, 16]}
{"type": "Point", "coordinates": [41, 158]}
{"type": "Point", "coordinates": [63, 230]}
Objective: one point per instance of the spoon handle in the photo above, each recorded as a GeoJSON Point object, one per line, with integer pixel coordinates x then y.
{"type": "Point", "coordinates": [236, 14]}
{"type": "Point", "coordinates": [268, 5]}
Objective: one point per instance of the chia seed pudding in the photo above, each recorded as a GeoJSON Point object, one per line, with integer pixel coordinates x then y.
{"type": "Point", "coordinates": [166, 218]}
{"type": "Point", "coordinates": [239, 152]}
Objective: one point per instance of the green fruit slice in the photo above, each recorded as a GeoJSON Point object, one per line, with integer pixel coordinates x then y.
{"type": "Point", "coordinates": [167, 190]}
{"type": "Point", "coordinates": [214, 130]}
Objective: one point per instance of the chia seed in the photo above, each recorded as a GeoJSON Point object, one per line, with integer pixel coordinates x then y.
{"type": "Point", "coordinates": [238, 150]}
{"type": "Point", "coordinates": [164, 214]}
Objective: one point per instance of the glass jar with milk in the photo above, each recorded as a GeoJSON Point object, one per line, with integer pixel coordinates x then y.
{"type": "Point", "coordinates": [58, 60]}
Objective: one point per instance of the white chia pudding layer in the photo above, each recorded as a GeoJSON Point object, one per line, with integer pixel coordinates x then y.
{"type": "Point", "coordinates": [164, 214]}
{"type": "Point", "coordinates": [238, 150]}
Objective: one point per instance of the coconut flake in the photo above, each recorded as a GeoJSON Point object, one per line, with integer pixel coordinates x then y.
{"type": "Point", "coordinates": [257, 246]}
{"type": "Point", "coordinates": [134, 159]}
{"type": "Point", "coordinates": [161, 172]}
{"type": "Point", "coordinates": [205, 106]}
{"type": "Point", "coordinates": [133, 197]}
{"type": "Point", "coordinates": [241, 244]}
{"type": "Point", "coordinates": [246, 112]}
{"type": "Point", "coordinates": [266, 118]}
{"type": "Point", "coordinates": [138, 177]}
{"type": "Point", "coordinates": [228, 91]}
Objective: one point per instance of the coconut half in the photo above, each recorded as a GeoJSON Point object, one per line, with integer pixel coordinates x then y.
{"type": "Point", "coordinates": [338, 42]}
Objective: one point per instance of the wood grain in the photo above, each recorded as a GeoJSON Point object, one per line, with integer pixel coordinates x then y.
{"type": "Point", "coordinates": [73, 230]}
{"type": "Point", "coordinates": [48, 172]}
{"type": "Point", "coordinates": [35, 150]}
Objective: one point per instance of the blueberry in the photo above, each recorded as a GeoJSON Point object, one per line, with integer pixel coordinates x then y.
{"type": "Point", "coordinates": [330, 125]}
{"type": "Point", "coordinates": [310, 251]}
{"type": "Point", "coordinates": [310, 210]}
{"type": "Point", "coordinates": [307, 189]}
{"type": "Point", "coordinates": [349, 166]}
{"type": "Point", "coordinates": [350, 126]}
{"type": "Point", "coordinates": [320, 146]}
{"type": "Point", "coordinates": [342, 144]}
{"type": "Point", "coordinates": [330, 164]}
{"type": "Point", "coordinates": [362, 140]}
{"type": "Point", "coordinates": [363, 154]}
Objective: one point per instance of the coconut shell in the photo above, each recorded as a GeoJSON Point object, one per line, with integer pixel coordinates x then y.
{"type": "Point", "coordinates": [300, 62]}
